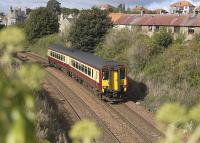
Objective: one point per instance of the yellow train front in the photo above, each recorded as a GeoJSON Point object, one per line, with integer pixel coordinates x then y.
{"type": "Point", "coordinates": [114, 83]}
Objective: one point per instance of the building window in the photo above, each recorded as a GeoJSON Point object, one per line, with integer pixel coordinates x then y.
{"type": "Point", "coordinates": [177, 29]}
{"type": "Point", "coordinates": [150, 28]}
{"type": "Point", "coordinates": [157, 28]}
{"type": "Point", "coordinates": [190, 30]}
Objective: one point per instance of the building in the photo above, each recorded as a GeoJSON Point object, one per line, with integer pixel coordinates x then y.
{"type": "Point", "coordinates": [182, 7]}
{"type": "Point", "coordinates": [140, 9]}
{"type": "Point", "coordinates": [2, 19]}
{"type": "Point", "coordinates": [105, 6]}
{"type": "Point", "coordinates": [197, 10]}
{"type": "Point", "coordinates": [189, 25]}
{"type": "Point", "coordinates": [15, 16]}
{"type": "Point", "coordinates": [65, 22]}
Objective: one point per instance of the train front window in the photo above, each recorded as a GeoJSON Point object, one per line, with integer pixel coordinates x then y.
{"type": "Point", "coordinates": [105, 75]}
{"type": "Point", "coordinates": [122, 73]}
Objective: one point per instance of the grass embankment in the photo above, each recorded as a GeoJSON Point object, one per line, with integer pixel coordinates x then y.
{"type": "Point", "coordinates": [50, 125]}
{"type": "Point", "coordinates": [161, 73]}
{"type": "Point", "coordinates": [40, 46]}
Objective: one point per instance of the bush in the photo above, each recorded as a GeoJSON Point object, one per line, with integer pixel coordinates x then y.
{"type": "Point", "coordinates": [89, 29]}
{"type": "Point", "coordinates": [41, 22]}
{"type": "Point", "coordinates": [162, 39]}
{"type": "Point", "coordinates": [171, 74]}
{"type": "Point", "coordinates": [41, 45]}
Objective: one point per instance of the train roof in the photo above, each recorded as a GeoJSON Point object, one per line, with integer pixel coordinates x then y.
{"type": "Point", "coordinates": [87, 58]}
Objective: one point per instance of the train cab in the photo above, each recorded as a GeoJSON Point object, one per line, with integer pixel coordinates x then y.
{"type": "Point", "coordinates": [114, 82]}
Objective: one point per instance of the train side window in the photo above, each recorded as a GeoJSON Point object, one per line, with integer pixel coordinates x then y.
{"type": "Point", "coordinates": [105, 75]}
{"type": "Point", "coordinates": [64, 58]}
{"type": "Point", "coordinates": [79, 66]}
{"type": "Point", "coordinates": [122, 73]}
{"type": "Point", "coordinates": [85, 70]}
{"type": "Point", "coordinates": [73, 63]}
{"type": "Point", "coordinates": [76, 65]}
{"type": "Point", "coordinates": [53, 54]}
{"type": "Point", "coordinates": [92, 73]}
{"type": "Point", "coordinates": [89, 71]}
{"type": "Point", "coordinates": [82, 68]}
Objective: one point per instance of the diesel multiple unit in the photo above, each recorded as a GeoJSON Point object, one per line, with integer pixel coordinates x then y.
{"type": "Point", "coordinates": [107, 78]}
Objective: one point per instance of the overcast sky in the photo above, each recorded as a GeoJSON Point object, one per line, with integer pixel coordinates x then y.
{"type": "Point", "coordinates": [151, 4]}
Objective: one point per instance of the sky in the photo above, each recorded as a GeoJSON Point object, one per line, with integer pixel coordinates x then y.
{"type": "Point", "coordinates": [83, 4]}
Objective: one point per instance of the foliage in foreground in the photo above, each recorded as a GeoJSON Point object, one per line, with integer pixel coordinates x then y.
{"type": "Point", "coordinates": [17, 118]}
{"type": "Point", "coordinates": [179, 123]}
{"type": "Point", "coordinates": [84, 132]}
{"type": "Point", "coordinates": [89, 29]}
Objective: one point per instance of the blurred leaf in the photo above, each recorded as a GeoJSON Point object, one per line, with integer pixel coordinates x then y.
{"type": "Point", "coordinates": [171, 113]}
{"type": "Point", "coordinates": [84, 131]}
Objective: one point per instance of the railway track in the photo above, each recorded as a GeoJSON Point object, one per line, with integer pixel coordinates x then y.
{"type": "Point", "coordinates": [78, 108]}
{"type": "Point", "coordinates": [79, 104]}
{"type": "Point", "coordinates": [127, 116]}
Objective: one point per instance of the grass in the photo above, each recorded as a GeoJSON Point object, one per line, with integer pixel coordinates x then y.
{"type": "Point", "coordinates": [171, 73]}
{"type": "Point", "coordinates": [40, 46]}
{"type": "Point", "coordinates": [50, 126]}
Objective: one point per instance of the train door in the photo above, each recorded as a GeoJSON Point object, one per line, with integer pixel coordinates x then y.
{"type": "Point", "coordinates": [115, 80]}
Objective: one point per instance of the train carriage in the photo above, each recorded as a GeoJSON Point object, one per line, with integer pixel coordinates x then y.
{"type": "Point", "coordinates": [107, 78]}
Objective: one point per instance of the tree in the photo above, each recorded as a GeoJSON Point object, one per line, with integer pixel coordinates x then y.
{"type": "Point", "coordinates": [2, 26]}
{"type": "Point", "coordinates": [40, 23]}
{"type": "Point", "coordinates": [54, 6]}
{"type": "Point", "coordinates": [89, 29]}
{"type": "Point", "coordinates": [121, 7]}
{"type": "Point", "coordinates": [68, 11]}
{"type": "Point", "coordinates": [163, 38]}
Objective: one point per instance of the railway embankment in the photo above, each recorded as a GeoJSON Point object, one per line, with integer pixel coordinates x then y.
{"type": "Point", "coordinates": [116, 127]}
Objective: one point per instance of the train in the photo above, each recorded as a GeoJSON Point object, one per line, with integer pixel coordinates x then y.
{"type": "Point", "coordinates": [107, 79]}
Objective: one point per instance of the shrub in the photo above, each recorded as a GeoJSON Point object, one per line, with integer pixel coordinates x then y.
{"type": "Point", "coordinates": [41, 45]}
{"type": "Point", "coordinates": [89, 29]}
{"type": "Point", "coordinates": [162, 39]}
{"type": "Point", "coordinates": [41, 22]}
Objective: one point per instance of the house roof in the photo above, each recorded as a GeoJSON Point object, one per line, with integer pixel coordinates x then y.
{"type": "Point", "coordinates": [197, 8]}
{"type": "Point", "coordinates": [115, 16]}
{"type": "Point", "coordinates": [159, 20]}
{"type": "Point", "coordinates": [87, 58]}
{"type": "Point", "coordinates": [182, 4]}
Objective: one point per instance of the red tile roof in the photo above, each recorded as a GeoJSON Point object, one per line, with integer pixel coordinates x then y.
{"type": "Point", "coordinates": [160, 20]}
{"type": "Point", "coordinates": [197, 8]}
{"type": "Point", "coordinates": [182, 4]}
